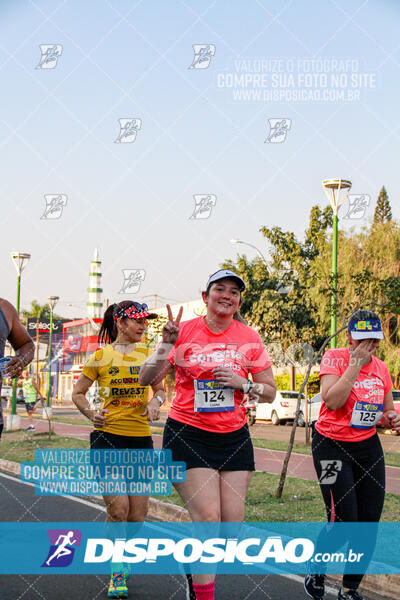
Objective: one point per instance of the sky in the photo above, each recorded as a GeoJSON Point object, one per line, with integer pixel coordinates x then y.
{"type": "Point", "coordinates": [215, 131]}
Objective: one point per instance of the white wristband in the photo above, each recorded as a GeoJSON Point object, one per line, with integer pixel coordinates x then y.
{"type": "Point", "coordinates": [160, 400]}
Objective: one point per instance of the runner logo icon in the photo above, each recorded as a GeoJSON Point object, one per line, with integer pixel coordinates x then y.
{"type": "Point", "coordinates": [330, 471]}
{"type": "Point", "coordinates": [203, 205]}
{"type": "Point", "coordinates": [358, 204]}
{"type": "Point", "coordinates": [50, 53]}
{"type": "Point", "coordinates": [278, 130]}
{"type": "Point", "coordinates": [132, 280]}
{"type": "Point", "coordinates": [128, 130]}
{"type": "Point", "coordinates": [203, 54]}
{"type": "Point", "coordinates": [62, 547]}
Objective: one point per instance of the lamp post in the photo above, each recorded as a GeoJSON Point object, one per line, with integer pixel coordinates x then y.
{"type": "Point", "coordinates": [236, 241]}
{"type": "Point", "coordinates": [336, 191]}
{"type": "Point", "coordinates": [52, 301]}
{"type": "Point", "coordinates": [20, 260]}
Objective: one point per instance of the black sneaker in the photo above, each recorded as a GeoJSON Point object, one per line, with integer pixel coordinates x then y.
{"type": "Point", "coordinates": [350, 595]}
{"type": "Point", "coordinates": [315, 586]}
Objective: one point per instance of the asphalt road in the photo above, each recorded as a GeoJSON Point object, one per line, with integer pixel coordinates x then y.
{"type": "Point", "coordinates": [19, 503]}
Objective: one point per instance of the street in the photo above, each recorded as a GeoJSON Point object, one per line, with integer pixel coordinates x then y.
{"type": "Point", "coordinates": [18, 503]}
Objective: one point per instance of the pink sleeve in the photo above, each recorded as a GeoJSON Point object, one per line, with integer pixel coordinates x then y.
{"type": "Point", "coordinates": [259, 357]}
{"type": "Point", "coordinates": [388, 381]}
{"type": "Point", "coordinates": [331, 364]}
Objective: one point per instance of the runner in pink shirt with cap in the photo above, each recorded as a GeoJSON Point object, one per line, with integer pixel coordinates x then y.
{"type": "Point", "coordinates": [213, 357]}
{"type": "Point", "coordinates": [348, 458]}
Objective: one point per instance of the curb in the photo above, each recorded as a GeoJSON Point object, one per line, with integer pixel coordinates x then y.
{"type": "Point", "coordinates": [382, 586]}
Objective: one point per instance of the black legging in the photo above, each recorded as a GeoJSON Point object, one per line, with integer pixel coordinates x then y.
{"type": "Point", "coordinates": [352, 481]}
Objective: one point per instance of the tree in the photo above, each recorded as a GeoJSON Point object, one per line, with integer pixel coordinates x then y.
{"type": "Point", "coordinates": [368, 277]}
{"type": "Point", "coordinates": [383, 211]}
{"type": "Point", "coordinates": [38, 311]}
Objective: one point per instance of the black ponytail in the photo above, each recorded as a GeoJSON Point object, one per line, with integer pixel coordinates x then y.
{"type": "Point", "coordinates": [108, 329]}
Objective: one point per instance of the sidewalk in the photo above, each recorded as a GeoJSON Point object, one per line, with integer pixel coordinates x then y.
{"type": "Point", "coordinates": [268, 461]}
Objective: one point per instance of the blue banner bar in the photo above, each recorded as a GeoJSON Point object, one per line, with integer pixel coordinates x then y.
{"type": "Point", "coordinates": [228, 548]}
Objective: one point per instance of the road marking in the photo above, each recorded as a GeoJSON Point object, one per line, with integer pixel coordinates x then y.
{"type": "Point", "coordinates": [91, 504]}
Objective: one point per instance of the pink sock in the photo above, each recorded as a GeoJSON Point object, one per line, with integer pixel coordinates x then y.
{"type": "Point", "coordinates": [204, 592]}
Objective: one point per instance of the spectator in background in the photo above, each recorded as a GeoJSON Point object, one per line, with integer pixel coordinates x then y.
{"type": "Point", "coordinates": [11, 329]}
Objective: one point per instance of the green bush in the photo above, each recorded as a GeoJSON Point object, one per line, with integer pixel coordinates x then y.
{"type": "Point", "coordinates": [283, 382]}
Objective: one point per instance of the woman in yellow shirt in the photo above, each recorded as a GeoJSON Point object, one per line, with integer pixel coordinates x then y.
{"type": "Point", "coordinates": [123, 421]}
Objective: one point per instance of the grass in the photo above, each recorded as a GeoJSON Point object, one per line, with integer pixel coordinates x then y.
{"type": "Point", "coordinates": [21, 445]}
{"type": "Point", "coordinates": [301, 499]}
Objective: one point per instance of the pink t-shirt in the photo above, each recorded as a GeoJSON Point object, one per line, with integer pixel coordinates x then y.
{"type": "Point", "coordinates": [197, 351]}
{"type": "Point", "coordinates": [371, 385]}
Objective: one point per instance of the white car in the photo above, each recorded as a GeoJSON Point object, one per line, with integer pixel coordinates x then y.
{"type": "Point", "coordinates": [314, 405]}
{"type": "Point", "coordinates": [282, 409]}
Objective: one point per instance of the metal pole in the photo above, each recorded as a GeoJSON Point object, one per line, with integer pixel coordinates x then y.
{"type": "Point", "coordinates": [49, 370]}
{"type": "Point", "coordinates": [334, 281]}
{"type": "Point", "coordinates": [37, 353]}
{"type": "Point", "coordinates": [14, 385]}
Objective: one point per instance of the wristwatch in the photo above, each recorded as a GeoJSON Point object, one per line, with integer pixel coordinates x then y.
{"type": "Point", "coordinates": [248, 386]}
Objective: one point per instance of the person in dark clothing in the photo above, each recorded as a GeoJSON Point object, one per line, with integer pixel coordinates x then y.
{"type": "Point", "coordinates": [11, 329]}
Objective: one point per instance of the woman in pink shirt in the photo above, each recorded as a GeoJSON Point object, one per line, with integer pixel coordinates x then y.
{"type": "Point", "coordinates": [348, 458]}
{"type": "Point", "coordinates": [206, 427]}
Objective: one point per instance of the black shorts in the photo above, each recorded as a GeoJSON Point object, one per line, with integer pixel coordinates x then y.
{"type": "Point", "coordinates": [196, 447]}
{"type": "Point", "coordinates": [30, 406]}
{"type": "Point", "coordinates": [102, 440]}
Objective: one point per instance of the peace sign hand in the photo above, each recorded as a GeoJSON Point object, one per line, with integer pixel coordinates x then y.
{"type": "Point", "coordinates": [170, 330]}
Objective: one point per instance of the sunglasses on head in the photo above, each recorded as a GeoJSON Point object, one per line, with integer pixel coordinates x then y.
{"type": "Point", "coordinates": [127, 311]}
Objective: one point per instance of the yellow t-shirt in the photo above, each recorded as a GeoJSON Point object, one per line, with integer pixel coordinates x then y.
{"type": "Point", "coordinates": [119, 390]}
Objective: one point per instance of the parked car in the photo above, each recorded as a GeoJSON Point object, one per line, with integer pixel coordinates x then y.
{"type": "Point", "coordinates": [282, 409]}
{"type": "Point", "coordinates": [6, 393]}
{"type": "Point", "coordinates": [314, 405]}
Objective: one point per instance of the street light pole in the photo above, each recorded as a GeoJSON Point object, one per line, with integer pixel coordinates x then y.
{"type": "Point", "coordinates": [236, 241]}
{"type": "Point", "coordinates": [52, 302]}
{"type": "Point", "coordinates": [20, 260]}
{"type": "Point", "coordinates": [333, 189]}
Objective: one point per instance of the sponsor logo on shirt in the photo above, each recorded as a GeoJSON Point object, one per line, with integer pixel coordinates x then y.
{"type": "Point", "coordinates": [127, 391]}
{"type": "Point", "coordinates": [368, 384]}
{"type": "Point", "coordinates": [217, 356]}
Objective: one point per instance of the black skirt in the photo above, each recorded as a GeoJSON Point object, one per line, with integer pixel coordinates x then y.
{"type": "Point", "coordinates": [197, 447]}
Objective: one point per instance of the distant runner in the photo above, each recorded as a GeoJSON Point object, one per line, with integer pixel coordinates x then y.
{"type": "Point", "coordinates": [31, 394]}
